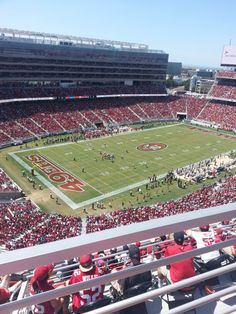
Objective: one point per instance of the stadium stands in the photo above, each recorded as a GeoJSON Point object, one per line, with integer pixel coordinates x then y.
{"type": "Point", "coordinates": [44, 118]}
{"type": "Point", "coordinates": [6, 183]}
{"type": "Point", "coordinates": [226, 74]}
{"type": "Point", "coordinates": [219, 113]}
{"type": "Point", "coordinates": [24, 224]}
{"type": "Point", "coordinates": [224, 91]}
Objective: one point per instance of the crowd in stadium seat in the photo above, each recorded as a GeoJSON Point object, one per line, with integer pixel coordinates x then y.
{"type": "Point", "coordinates": [28, 120]}
{"type": "Point", "coordinates": [224, 91]}
{"type": "Point", "coordinates": [226, 74]}
{"type": "Point", "coordinates": [23, 224]}
{"type": "Point", "coordinates": [224, 115]}
{"type": "Point", "coordinates": [194, 106]}
{"type": "Point", "coordinates": [96, 133]}
{"type": "Point", "coordinates": [4, 138]}
{"type": "Point", "coordinates": [6, 184]}
{"type": "Point", "coordinates": [14, 130]}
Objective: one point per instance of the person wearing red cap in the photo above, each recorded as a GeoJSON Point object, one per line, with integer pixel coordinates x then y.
{"type": "Point", "coordinates": [87, 271]}
{"type": "Point", "coordinates": [39, 283]}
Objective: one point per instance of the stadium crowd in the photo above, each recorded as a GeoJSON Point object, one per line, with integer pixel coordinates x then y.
{"type": "Point", "coordinates": [24, 224]}
{"type": "Point", "coordinates": [6, 184]}
{"type": "Point", "coordinates": [23, 121]}
{"type": "Point", "coordinates": [224, 91]}
{"type": "Point", "coordinates": [226, 74]}
{"type": "Point", "coordinates": [224, 116]}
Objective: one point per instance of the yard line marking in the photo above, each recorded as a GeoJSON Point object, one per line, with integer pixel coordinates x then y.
{"type": "Point", "coordinates": [115, 192]}
{"type": "Point", "coordinates": [197, 147]}
{"type": "Point", "coordinates": [104, 173]}
{"type": "Point", "coordinates": [74, 175]}
{"type": "Point", "coordinates": [185, 150]}
{"type": "Point", "coordinates": [70, 153]}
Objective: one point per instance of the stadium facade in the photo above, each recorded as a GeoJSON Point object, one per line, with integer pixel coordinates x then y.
{"type": "Point", "coordinates": [30, 58]}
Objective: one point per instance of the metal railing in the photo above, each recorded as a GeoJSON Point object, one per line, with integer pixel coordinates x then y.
{"type": "Point", "coordinates": [57, 251]}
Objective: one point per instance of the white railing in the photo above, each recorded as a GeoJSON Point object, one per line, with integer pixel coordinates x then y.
{"type": "Point", "coordinates": [28, 258]}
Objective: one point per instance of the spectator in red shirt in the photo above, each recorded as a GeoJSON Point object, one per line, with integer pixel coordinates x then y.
{"type": "Point", "coordinates": [6, 289]}
{"type": "Point", "coordinates": [39, 283]}
{"type": "Point", "coordinates": [87, 271]}
{"type": "Point", "coordinates": [178, 270]}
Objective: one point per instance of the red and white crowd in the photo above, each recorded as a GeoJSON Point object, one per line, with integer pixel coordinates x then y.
{"type": "Point", "coordinates": [24, 224]}
{"type": "Point", "coordinates": [6, 183]}
{"type": "Point", "coordinates": [27, 120]}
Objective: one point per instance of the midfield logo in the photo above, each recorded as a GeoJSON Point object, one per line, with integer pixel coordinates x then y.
{"type": "Point", "coordinates": [151, 147]}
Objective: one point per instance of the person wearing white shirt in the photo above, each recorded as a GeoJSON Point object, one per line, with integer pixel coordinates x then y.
{"type": "Point", "coordinates": [204, 237]}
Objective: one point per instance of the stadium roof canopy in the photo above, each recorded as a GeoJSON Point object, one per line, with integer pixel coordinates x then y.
{"type": "Point", "coordinates": [66, 40]}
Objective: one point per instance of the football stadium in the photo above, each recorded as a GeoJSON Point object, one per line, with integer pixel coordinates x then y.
{"type": "Point", "coordinates": [98, 157]}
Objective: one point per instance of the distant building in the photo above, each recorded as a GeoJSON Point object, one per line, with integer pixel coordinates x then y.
{"type": "Point", "coordinates": [205, 74]}
{"type": "Point", "coordinates": [202, 81]}
{"type": "Point", "coordinates": [203, 86]}
{"type": "Point", "coordinates": [174, 68]}
{"type": "Point", "coordinates": [193, 82]}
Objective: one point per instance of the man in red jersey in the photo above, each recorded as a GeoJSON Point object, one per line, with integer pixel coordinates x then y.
{"type": "Point", "coordinates": [87, 271]}
{"type": "Point", "coordinates": [40, 283]}
{"type": "Point", "coordinates": [182, 269]}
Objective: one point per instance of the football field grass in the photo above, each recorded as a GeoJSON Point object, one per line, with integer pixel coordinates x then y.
{"type": "Point", "coordinates": [137, 155]}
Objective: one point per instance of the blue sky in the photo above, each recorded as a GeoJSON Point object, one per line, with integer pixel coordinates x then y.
{"type": "Point", "coordinates": [192, 32]}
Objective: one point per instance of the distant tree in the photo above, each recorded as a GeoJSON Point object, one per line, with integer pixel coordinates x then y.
{"type": "Point", "coordinates": [186, 84]}
{"type": "Point", "coordinates": [170, 83]}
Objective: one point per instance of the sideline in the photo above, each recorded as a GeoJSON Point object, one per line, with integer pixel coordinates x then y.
{"type": "Point", "coordinates": [96, 139]}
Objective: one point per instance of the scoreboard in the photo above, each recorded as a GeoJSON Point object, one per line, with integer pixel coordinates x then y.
{"type": "Point", "coordinates": [229, 56]}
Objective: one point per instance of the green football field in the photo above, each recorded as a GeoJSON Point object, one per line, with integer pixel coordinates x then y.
{"type": "Point", "coordinates": [138, 155]}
